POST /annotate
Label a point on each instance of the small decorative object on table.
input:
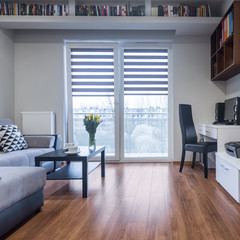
(91, 123)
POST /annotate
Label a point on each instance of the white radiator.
(38, 123)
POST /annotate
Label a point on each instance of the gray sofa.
(37, 145)
(21, 195)
(21, 183)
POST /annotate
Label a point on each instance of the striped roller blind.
(92, 71)
(145, 72)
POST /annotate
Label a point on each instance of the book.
(227, 26)
(230, 24)
(165, 9)
(209, 11)
(225, 30)
(160, 10)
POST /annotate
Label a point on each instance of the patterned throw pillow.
(11, 138)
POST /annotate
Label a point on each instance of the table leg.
(37, 163)
(85, 178)
(103, 163)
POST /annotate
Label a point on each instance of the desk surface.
(218, 126)
(220, 133)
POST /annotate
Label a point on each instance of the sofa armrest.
(58, 142)
(43, 141)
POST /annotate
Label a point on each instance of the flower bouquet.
(91, 123)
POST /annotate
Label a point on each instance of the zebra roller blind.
(92, 71)
(145, 71)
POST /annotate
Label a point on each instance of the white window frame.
(148, 45)
(113, 45)
(119, 94)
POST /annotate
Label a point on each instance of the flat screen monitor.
(229, 110)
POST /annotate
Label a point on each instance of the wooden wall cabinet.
(225, 52)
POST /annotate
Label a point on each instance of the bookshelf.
(181, 25)
(104, 8)
(225, 45)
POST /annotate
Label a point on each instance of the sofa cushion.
(33, 152)
(11, 138)
(40, 141)
(25, 157)
(6, 122)
(17, 183)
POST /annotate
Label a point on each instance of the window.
(146, 102)
(128, 88)
(92, 83)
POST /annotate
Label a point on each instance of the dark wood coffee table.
(78, 165)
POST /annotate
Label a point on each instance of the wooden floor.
(136, 201)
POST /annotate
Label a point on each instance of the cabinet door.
(228, 177)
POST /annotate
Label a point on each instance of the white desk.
(220, 133)
(227, 167)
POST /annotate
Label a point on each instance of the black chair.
(189, 139)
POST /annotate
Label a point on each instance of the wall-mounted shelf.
(225, 45)
(182, 25)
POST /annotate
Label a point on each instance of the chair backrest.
(186, 124)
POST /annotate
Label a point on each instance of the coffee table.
(77, 167)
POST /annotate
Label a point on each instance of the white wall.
(39, 79)
(225, 5)
(39, 73)
(233, 87)
(7, 74)
(39, 66)
(192, 84)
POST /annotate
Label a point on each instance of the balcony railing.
(145, 133)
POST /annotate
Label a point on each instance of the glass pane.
(146, 126)
(103, 106)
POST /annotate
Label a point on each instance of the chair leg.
(205, 164)
(182, 160)
(194, 159)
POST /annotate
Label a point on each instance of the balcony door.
(92, 89)
(145, 102)
(128, 88)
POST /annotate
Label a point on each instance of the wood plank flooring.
(137, 201)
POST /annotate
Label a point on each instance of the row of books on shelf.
(128, 10)
(106, 10)
(181, 11)
(227, 27)
(101, 10)
(33, 9)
